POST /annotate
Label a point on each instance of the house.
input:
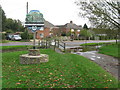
(65, 29)
(46, 32)
(56, 30)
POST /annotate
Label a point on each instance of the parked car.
(8, 37)
(16, 37)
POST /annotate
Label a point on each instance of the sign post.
(34, 22)
(34, 28)
(34, 40)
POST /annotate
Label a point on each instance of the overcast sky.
(58, 12)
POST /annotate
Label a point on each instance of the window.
(41, 35)
(41, 28)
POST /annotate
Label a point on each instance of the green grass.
(94, 44)
(110, 50)
(62, 71)
(4, 41)
(7, 41)
(14, 47)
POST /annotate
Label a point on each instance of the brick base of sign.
(34, 57)
(34, 52)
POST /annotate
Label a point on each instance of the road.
(68, 43)
(76, 43)
(72, 44)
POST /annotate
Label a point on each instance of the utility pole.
(27, 8)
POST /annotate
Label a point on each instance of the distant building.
(56, 30)
(46, 32)
(68, 26)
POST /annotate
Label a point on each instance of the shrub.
(25, 35)
(9, 31)
(3, 36)
(30, 36)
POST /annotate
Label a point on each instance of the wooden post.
(46, 44)
(39, 43)
(49, 43)
(58, 43)
(34, 40)
(55, 44)
(64, 46)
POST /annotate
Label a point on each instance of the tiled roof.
(67, 25)
(48, 24)
(70, 26)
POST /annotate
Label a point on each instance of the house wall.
(44, 32)
(55, 32)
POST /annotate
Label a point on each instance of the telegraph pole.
(27, 8)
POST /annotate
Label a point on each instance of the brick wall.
(45, 33)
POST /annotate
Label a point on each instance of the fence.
(52, 44)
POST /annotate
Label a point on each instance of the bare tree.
(102, 13)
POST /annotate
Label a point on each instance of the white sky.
(58, 12)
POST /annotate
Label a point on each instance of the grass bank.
(107, 48)
(14, 47)
(95, 44)
(110, 50)
(4, 41)
(7, 41)
(62, 71)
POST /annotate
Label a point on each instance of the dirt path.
(109, 63)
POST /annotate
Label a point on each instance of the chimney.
(71, 22)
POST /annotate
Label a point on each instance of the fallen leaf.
(110, 80)
(71, 86)
(18, 83)
(55, 80)
(50, 73)
(46, 84)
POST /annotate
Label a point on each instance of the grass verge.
(94, 44)
(111, 50)
(7, 41)
(62, 71)
(4, 41)
(14, 47)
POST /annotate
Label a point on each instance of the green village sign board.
(34, 16)
(34, 20)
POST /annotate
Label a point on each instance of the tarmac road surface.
(68, 43)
